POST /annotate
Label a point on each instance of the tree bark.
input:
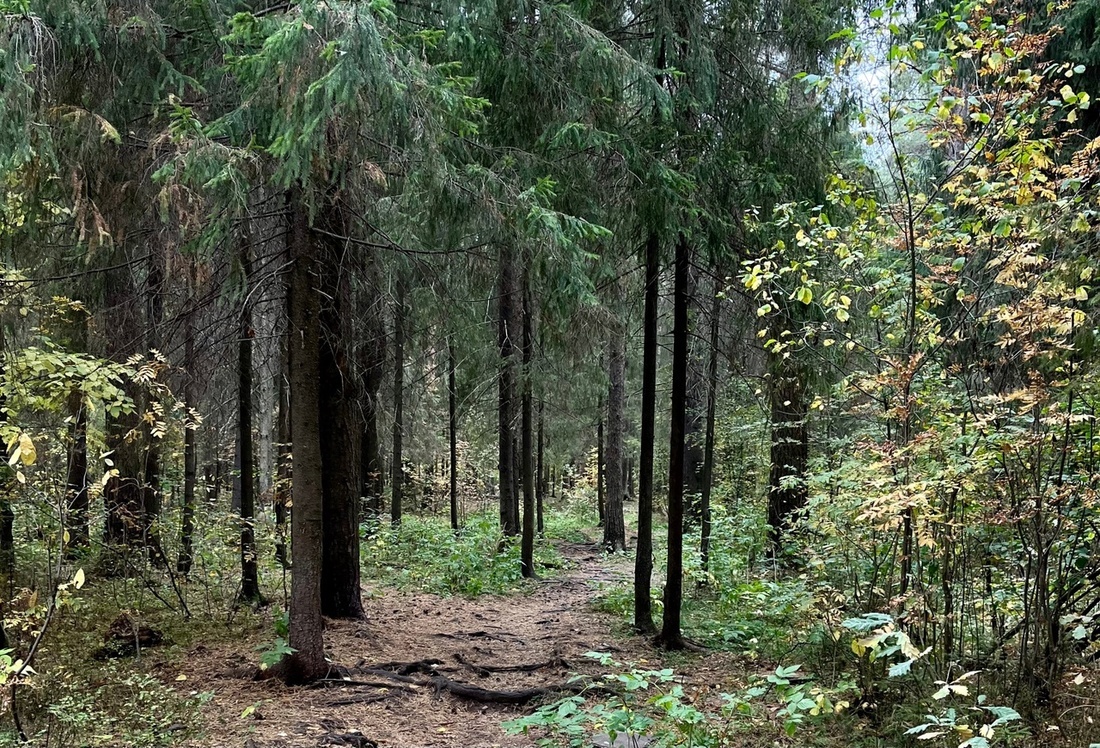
(712, 405)
(452, 422)
(527, 544)
(506, 329)
(670, 626)
(397, 482)
(76, 483)
(540, 485)
(789, 452)
(190, 457)
(341, 437)
(614, 528)
(151, 490)
(601, 477)
(372, 363)
(306, 626)
(7, 515)
(122, 492)
(643, 557)
(284, 466)
(244, 490)
(694, 411)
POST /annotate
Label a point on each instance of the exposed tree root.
(484, 670)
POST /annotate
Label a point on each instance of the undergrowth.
(423, 554)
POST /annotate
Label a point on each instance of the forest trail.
(548, 630)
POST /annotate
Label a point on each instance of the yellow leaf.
(78, 579)
(181, 676)
(28, 454)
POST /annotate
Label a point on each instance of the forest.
(406, 373)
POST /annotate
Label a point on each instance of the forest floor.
(548, 630)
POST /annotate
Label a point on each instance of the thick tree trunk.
(643, 557)
(397, 482)
(789, 451)
(614, 528)
(506, 330)
(306, 626)
(452, 424)
(341, 437)
(670, 627)
(527, 544)
(244, 491)
(712, 405)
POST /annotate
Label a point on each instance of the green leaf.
(900, 668)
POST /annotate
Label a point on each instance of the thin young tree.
(452, 430)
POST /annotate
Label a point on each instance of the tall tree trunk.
(7, 516)
(397, 477)
(341, 437)
(601, 459)
(506, 329)
(284, 466)
(527, 544)
(267, 350)
(540, 481)
(712, 406)
(372, 363)
(614, 528)
(670, 625)
(151, 492)
(643, 557)
(190, 456)
(306, 626)
(244, 485)
(789, 451)
(122, 492)
(76, 483)
(452, 423)
(7, 485)
(694, 410)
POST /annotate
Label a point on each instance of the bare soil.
(548, 630)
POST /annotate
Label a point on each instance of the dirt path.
(554, 624)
